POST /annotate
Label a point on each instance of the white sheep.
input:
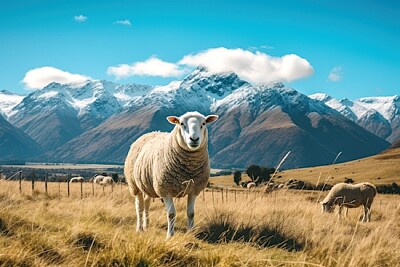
(106, 180)
(169, 165)
(251, 185)
(350, 196)
(97, 179)
(77, 179)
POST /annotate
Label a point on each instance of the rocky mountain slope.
(15, 144)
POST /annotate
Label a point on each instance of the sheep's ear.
(211, 118)
(173, 119)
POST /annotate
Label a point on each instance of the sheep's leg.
(190, 211)
(171, 214)
(340, 212)
(139, 203)
(146, 211)
(367, 213)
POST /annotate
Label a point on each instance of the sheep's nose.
(195, 139)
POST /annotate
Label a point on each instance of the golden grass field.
(285, 228)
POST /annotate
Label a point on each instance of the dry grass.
(281, 229)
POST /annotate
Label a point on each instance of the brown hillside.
(383, 168)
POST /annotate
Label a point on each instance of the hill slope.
(383, 168)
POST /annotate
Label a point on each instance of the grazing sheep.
(78, 179)
(251, 185)
(350, 196)
(106, 180)
(168, 165)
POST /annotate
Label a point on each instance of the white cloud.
(123, 22)
(40, 77)
(151, 67)
(255, 67)
(336, 74)
(80, 18)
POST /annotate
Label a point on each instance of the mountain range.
(98, 120)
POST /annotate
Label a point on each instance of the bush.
(237, 177)
(259, 174)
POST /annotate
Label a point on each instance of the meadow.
(284, 228)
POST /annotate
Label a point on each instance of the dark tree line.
(257, 174)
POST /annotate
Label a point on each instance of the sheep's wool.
(157, 166)
(351, 195)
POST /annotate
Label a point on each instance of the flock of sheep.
(176, 164)
(97, 179)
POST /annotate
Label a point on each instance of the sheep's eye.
(204, 123)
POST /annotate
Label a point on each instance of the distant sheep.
(168, 165)
(97, 179)
(78, 179)
(350, 196)
(106, 181)
(251, 185)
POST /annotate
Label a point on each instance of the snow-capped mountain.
(8, 101)
(379, 115)
(257, 125)
(147, 113)
(97, 121)
(59, 112)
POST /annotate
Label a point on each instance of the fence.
(64, 188)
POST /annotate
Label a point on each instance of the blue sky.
(342, 48)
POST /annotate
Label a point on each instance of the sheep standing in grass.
(78, 179)
(350, 196)
(168, 165)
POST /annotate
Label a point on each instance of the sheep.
(77, 179)
(97, 179)
(251, 185)
(167, 165)
(106, 180)
(350, 196)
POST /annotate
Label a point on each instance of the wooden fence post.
(93, 187)
(33, 184)
(203, 195)
(45, 182)
(59, 188)
(222, 195)
(235, 196)
(20, 182)
(226, 195)
(81, 189)
(68, 178)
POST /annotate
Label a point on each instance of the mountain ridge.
(97, 121)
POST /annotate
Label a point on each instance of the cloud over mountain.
(151, 67)
(40, 77)
(255, 67)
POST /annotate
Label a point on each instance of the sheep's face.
(326, 207)
(192, 129)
